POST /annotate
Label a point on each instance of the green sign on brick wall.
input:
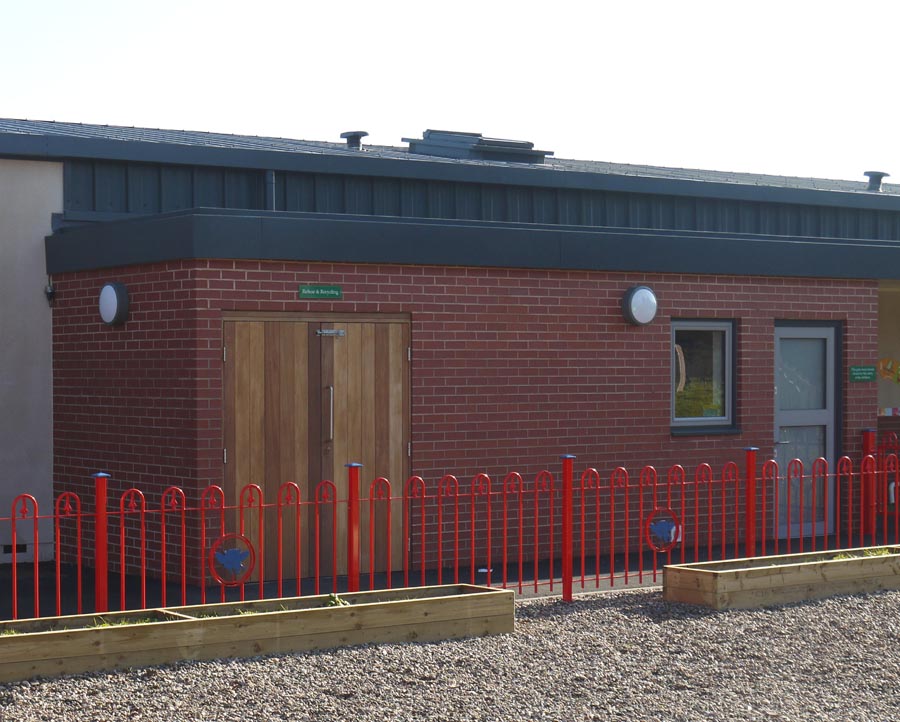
(862, 373)
(321, 292)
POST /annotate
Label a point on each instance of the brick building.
(458, 305)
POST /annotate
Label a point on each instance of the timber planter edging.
(768, 581)
(99, 642)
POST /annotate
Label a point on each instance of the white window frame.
(697, 422)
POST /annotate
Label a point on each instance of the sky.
(791, 87)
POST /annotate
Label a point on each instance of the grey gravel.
(612, 656)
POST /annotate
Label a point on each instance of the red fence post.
(867, 493)
(101, 557)
(353, 526)
(750, 503)
(567, 545)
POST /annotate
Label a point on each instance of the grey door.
(804, 424)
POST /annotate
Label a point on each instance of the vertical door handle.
(330, 413)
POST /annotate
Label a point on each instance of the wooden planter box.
(94, 642)
(773, 580)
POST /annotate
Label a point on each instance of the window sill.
(705, 430)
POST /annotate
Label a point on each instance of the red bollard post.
(869, 482)
(750, 503)
(567, 545)
(353, 526)
(101, 557)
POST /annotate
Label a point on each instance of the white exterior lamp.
(114, 304)
(639, 305)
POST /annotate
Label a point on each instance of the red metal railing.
(591, 531)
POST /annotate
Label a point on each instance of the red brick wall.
(510, 368)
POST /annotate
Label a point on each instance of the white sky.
(793, 87)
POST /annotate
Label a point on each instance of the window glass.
(701, 373)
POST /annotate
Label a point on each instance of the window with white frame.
(702, 373)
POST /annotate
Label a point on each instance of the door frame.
(836, 389)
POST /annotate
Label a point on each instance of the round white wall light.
(114, 304)
(639, 305)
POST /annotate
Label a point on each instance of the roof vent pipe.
(875, 177)
(354, 138)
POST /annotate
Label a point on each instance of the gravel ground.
(612, 656)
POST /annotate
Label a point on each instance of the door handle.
(330, 413)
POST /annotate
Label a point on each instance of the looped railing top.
(481, 485)
(251, 496)
(213, 498)
(326, 493)
(590, 479)
(134, 500)
(795, 469)
(64, 506)
(513, 483)
(415, 487)
(675, 475)
(619, 478)
(173, 500)
(23, 502)
(648, 477)
(448, 486)
(379, 489)
(543, 481)
(730, 473)
(289, 494)
(703, 474)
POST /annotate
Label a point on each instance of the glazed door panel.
(804, 423)
(302, 399)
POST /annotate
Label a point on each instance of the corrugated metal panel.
(143, 188)
(110, 188)
(329, 193)
(413, 199)
(244, 189)
(441, 200)
(518, 205)
(297, 192)
(493, 203)
(545, 205)
(386, 197)
(358, 195)
(78, 185)
(685, 214)
(209, 188)
(176, 189)
(468, 201)
(569, 207)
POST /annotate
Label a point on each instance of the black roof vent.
(875, 177)
(474, 146)
(354, 138)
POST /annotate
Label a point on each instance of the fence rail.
(584, 530)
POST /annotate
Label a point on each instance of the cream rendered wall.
(29, 192)
(888, 343)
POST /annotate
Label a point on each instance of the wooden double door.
(304, 397)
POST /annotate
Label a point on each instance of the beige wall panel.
(30, 191)
(889, 344)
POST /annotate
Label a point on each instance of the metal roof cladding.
(483, 160)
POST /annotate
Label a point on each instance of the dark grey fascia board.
(363, 239)
(56, 148)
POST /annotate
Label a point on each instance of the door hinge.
(224, 353)
(409, 448)
(409, 353)
(224, 456)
